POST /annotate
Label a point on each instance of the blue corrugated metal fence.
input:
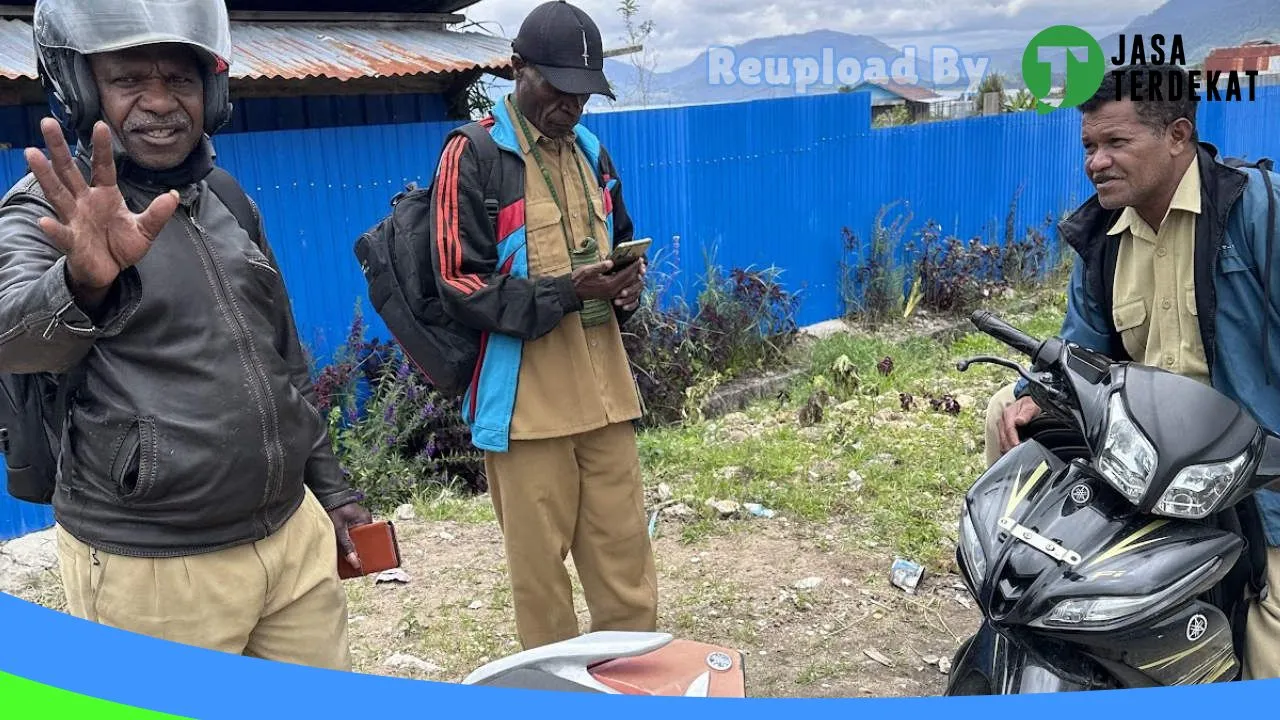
(766, 183)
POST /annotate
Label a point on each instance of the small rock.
(850, 406)
(855, 481)
(930, 659)
(724, 508)
(737, 419)
(679, 511)
(812, 434)
(405, 513)
(809, 583)
(846, 582)
(737, 436)
(475, 605)
(401, 661)
(447, 537)
(944, 666)
(964, 602)
(966, 401)
(887, 416)
(664, 492)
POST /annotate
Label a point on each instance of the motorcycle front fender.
(994, 663)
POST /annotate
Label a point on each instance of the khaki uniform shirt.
(573, 379)
(1154, 289)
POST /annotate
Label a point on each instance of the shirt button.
(1167, 304)
(1161, 252)
(1168, 360)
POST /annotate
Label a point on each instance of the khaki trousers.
(1262, 633)
(991, 427)
(277, 599)
(579, 495)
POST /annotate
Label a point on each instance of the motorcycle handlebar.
(988, 323)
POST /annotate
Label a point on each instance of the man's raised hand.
(94, 227)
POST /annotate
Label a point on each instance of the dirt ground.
(815, 616)
(753, 586)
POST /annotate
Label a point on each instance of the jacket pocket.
(134, 467)
(544, 239)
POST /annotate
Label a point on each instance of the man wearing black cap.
(527, 207)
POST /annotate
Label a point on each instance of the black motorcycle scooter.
(1113, 548)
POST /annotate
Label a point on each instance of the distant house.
(1260, 55)
(336, 63)
(888, 94)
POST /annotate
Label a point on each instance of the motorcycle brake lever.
(1054, 393)
(963, 365)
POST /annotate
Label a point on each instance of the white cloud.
(684, 28)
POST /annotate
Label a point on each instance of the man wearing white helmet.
(197, 494)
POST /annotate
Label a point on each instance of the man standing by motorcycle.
(198, 494)
(1173, 270)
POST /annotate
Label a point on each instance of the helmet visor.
(96, 26)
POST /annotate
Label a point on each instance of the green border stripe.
(28, 699)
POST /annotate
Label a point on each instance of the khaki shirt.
(573, 379)
(1155, 294)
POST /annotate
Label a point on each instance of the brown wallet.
(377, 547)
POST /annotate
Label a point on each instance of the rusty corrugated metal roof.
(296, 50)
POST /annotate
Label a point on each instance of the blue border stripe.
(58, 650)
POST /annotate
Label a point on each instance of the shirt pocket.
(544, 239)
(1130, 318)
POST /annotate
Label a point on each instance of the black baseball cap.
(563, 43)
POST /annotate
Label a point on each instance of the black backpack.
(34, 407)
(395, 256)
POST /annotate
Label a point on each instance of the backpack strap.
(237, 201)
(490, 164)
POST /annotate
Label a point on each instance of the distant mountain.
(1205, 25)
(699, 81)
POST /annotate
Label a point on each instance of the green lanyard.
(555, 197)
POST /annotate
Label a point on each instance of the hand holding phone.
(628, 252)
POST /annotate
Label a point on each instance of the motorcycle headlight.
(1084, 612)
(1127, 460)
(1197, 490)
(971, 548)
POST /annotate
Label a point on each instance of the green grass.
(915, 464)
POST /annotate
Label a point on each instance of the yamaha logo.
(1196, 627)
(719, 661)
(1081, 494)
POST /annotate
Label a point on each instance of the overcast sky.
(684, 28)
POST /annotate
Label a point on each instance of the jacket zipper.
(271, 433)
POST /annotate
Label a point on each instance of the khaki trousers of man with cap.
(570, 481)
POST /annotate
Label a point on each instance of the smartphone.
(628, 252)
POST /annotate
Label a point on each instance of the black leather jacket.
(195, 426)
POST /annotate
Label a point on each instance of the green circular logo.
(1084, 69)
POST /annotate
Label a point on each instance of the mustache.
(147, 122)
(1099, 179)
